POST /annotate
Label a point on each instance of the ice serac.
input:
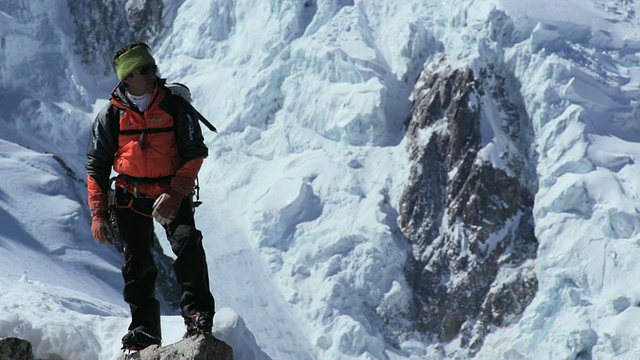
(467, 207)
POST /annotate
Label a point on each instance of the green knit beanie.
(132, 59)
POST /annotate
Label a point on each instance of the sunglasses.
(144, 70)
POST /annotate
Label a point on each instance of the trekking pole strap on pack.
(206, 122)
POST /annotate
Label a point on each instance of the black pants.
(139, 270)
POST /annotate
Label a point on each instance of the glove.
(100, 227)
(166, 206)
(101, 230)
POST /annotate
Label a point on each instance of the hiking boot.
(138, 339)
(197, 324)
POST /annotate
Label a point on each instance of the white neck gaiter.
(141, 101)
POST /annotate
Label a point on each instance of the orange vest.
(147, 153)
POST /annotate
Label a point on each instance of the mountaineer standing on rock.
(152, 139)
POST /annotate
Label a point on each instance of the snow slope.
(302, 184)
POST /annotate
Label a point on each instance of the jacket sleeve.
(189, 136)
(101, 150)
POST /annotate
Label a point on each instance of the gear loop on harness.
(120, 198)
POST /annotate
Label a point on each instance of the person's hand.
(166, 207)
(101, 230)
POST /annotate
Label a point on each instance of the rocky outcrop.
(14, 348)
(104, 26)
(467, 209)
(204, 347)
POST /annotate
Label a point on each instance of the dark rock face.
(104, 26)
(204, 347)
(14, 348)
(470, 223)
